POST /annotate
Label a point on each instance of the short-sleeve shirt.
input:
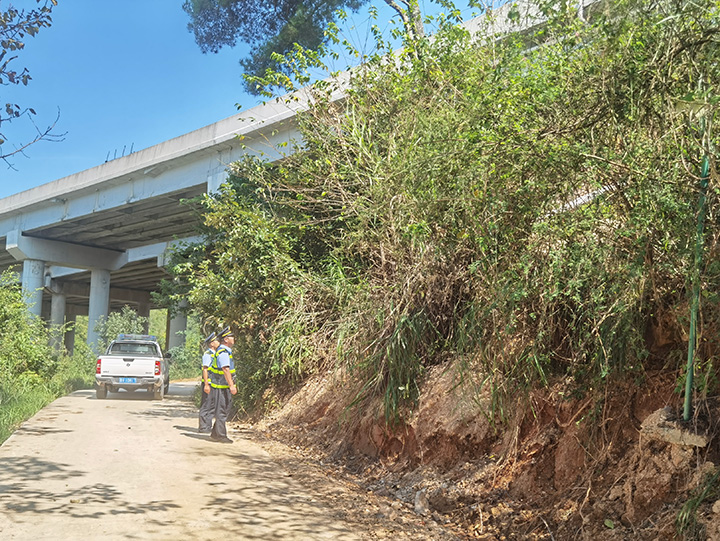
(207, 358)
(224, 358)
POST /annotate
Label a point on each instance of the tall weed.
(31, 374)
(527, 208)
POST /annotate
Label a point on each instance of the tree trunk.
(411, 17)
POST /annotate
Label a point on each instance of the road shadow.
(270, 503)
(39, 430)
(125, 395)
(191, 429)
(182, 388)
(170, 408)
(31, 486)
(31, 469)
(181, 391)
(196, 436)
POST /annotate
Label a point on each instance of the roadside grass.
(18, 405)
(23, 396)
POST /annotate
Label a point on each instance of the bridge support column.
(177, 326)
(143, 310)
(69, 338)
(33, 278)
(57, 319)
(214, 181)
(99, 303)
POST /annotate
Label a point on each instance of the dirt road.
(128, 467)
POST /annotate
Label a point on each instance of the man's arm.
(206, 380)
(228, 378)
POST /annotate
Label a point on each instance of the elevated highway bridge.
(94, 241)
(97, 240)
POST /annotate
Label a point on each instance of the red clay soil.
(555, 467)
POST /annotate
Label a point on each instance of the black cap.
(210, 338)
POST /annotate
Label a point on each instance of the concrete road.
(128, 467)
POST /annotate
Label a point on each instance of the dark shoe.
(204, 430)
(218, 439)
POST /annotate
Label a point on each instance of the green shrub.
(435, 213)
(126, 321)
(31, 374)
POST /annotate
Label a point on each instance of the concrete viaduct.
(96, 240)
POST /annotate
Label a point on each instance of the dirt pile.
(554, 467)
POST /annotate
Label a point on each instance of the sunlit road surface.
(129, 467)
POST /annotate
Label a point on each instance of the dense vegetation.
(435, 214)
(31, 374)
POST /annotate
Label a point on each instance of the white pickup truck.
(131, 362)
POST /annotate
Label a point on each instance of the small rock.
(661, 426)
(716, 507)
(616, 492)
(422, 507)
(385, 511)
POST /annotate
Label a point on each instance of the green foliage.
(23, 339)
(686, 523)
(395, 362)
(31, 375)
(16, 25)
(186, 359)
(251, 371)
(158, 325)
(126, 321)
(19, 403)
(527, 209)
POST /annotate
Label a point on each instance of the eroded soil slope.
(548, 466)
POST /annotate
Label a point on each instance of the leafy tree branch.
(15, 27)
(272, 29)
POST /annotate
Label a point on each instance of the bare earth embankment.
(557, 468)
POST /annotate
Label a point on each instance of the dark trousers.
(207, 410)
(222, 400)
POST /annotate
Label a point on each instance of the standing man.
(222, 386)
(207, 408)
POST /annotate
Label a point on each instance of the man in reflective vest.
(207, 408)
(222, 386)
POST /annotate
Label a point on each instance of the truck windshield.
(138, 350)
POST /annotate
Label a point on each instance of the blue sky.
(124, 75)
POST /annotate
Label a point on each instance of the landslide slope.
(553, 467)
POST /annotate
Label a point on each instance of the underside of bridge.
(97, 240)
(154, 222)
(158, 219)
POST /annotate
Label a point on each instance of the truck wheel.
(159, 394)
(101, 392)
(167, 386)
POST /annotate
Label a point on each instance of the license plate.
(127, 380)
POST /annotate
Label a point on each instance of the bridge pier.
(99, 303)
(58, 303)
(143, 310)
(177, 325)
(33, 278)
(69, 338)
